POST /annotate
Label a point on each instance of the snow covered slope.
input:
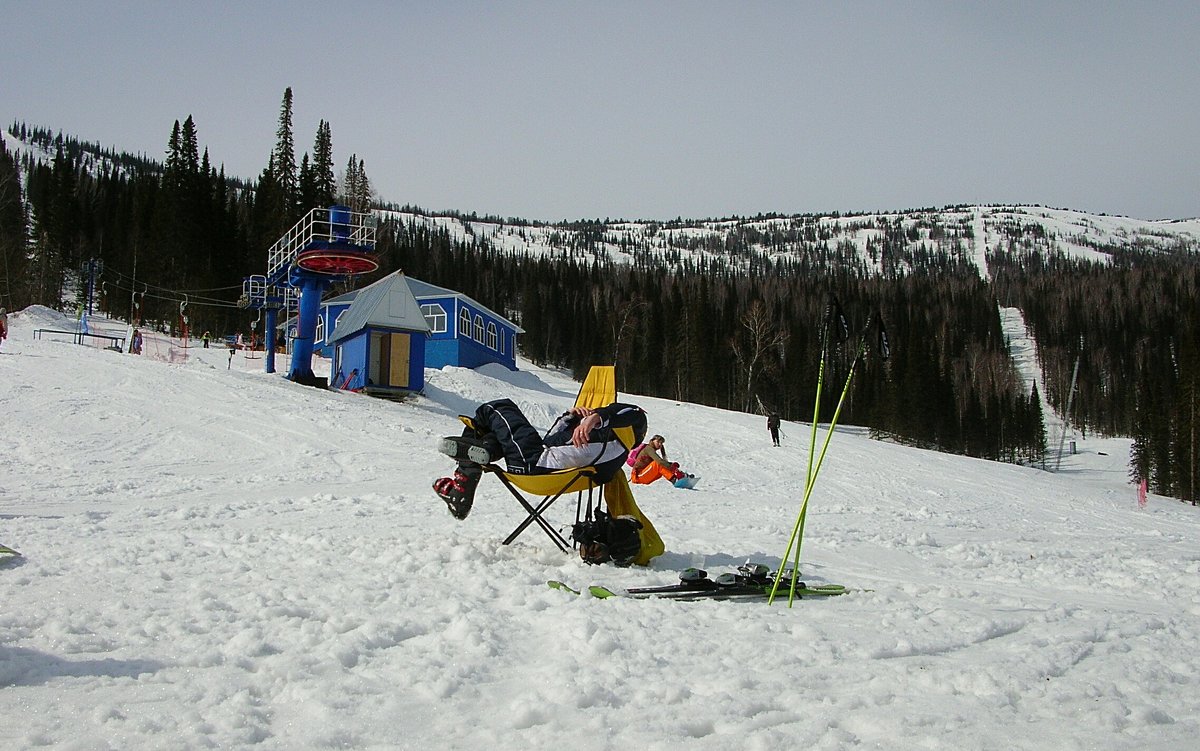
(215, 557)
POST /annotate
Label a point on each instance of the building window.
(435, 316)
(464, 323)
(479, 329)
(320, 335)
(491, 335)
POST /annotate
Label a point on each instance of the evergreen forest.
(735, 319)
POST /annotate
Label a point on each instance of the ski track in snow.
(217, 558)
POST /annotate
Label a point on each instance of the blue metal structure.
(324, 247)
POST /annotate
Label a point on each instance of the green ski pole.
(884, 351)
(798, 531)
(813, 481)
(832, 311)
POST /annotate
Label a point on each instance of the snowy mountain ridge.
(960, 233)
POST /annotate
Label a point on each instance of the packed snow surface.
(215, 557)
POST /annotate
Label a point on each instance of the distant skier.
(3, 325)
(135, 343)
(205, 339)
(773, 426)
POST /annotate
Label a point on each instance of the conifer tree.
(356, 188)
(13, 234)
(324, 183)
(283, 158)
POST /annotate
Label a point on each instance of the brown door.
(398, 360)
(389, 359)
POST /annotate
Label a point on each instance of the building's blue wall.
(353, 355)
(471, 352)
(329, 315)
(442, 348)
(440, 352)
(416, 361)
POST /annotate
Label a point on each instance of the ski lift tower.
(324, 247)
(258, 295)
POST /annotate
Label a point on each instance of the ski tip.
(555, 584)
(601, 593)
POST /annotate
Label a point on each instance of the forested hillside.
(722, 312)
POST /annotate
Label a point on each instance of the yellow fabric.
(619, 497)
(599, 389)
(551, 483)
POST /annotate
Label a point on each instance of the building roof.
(422, 291)
(388, 303)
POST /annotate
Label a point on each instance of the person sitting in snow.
(652, 463)
(580, 437)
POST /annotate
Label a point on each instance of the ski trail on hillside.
(1023, 351)
(979, 235)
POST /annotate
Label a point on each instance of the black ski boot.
(458, 491)
(464, 448)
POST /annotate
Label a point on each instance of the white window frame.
(434, 315)
(464, 323)
(478, 328)
(491, 336)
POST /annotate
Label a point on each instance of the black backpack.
(608, 538)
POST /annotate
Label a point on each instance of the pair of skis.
(750, 581)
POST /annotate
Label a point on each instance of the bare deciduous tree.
(763, 337)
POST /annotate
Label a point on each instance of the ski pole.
(796, 539)
(798, 531)
(832, 311)
(884, 351)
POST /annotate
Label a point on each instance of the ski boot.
(458, 491)
(467, 449)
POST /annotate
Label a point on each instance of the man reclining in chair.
(580, 437)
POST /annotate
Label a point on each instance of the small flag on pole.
(1142, 494)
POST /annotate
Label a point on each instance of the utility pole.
(1067, 415)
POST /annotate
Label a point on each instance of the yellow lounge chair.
(599, 389)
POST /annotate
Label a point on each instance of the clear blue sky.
(557, 110)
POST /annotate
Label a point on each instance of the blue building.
(379, 340)
(461, 331)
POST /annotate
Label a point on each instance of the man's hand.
(579, 438)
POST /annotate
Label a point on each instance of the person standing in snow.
(3, 325)
(773, 427)
(580, 437)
